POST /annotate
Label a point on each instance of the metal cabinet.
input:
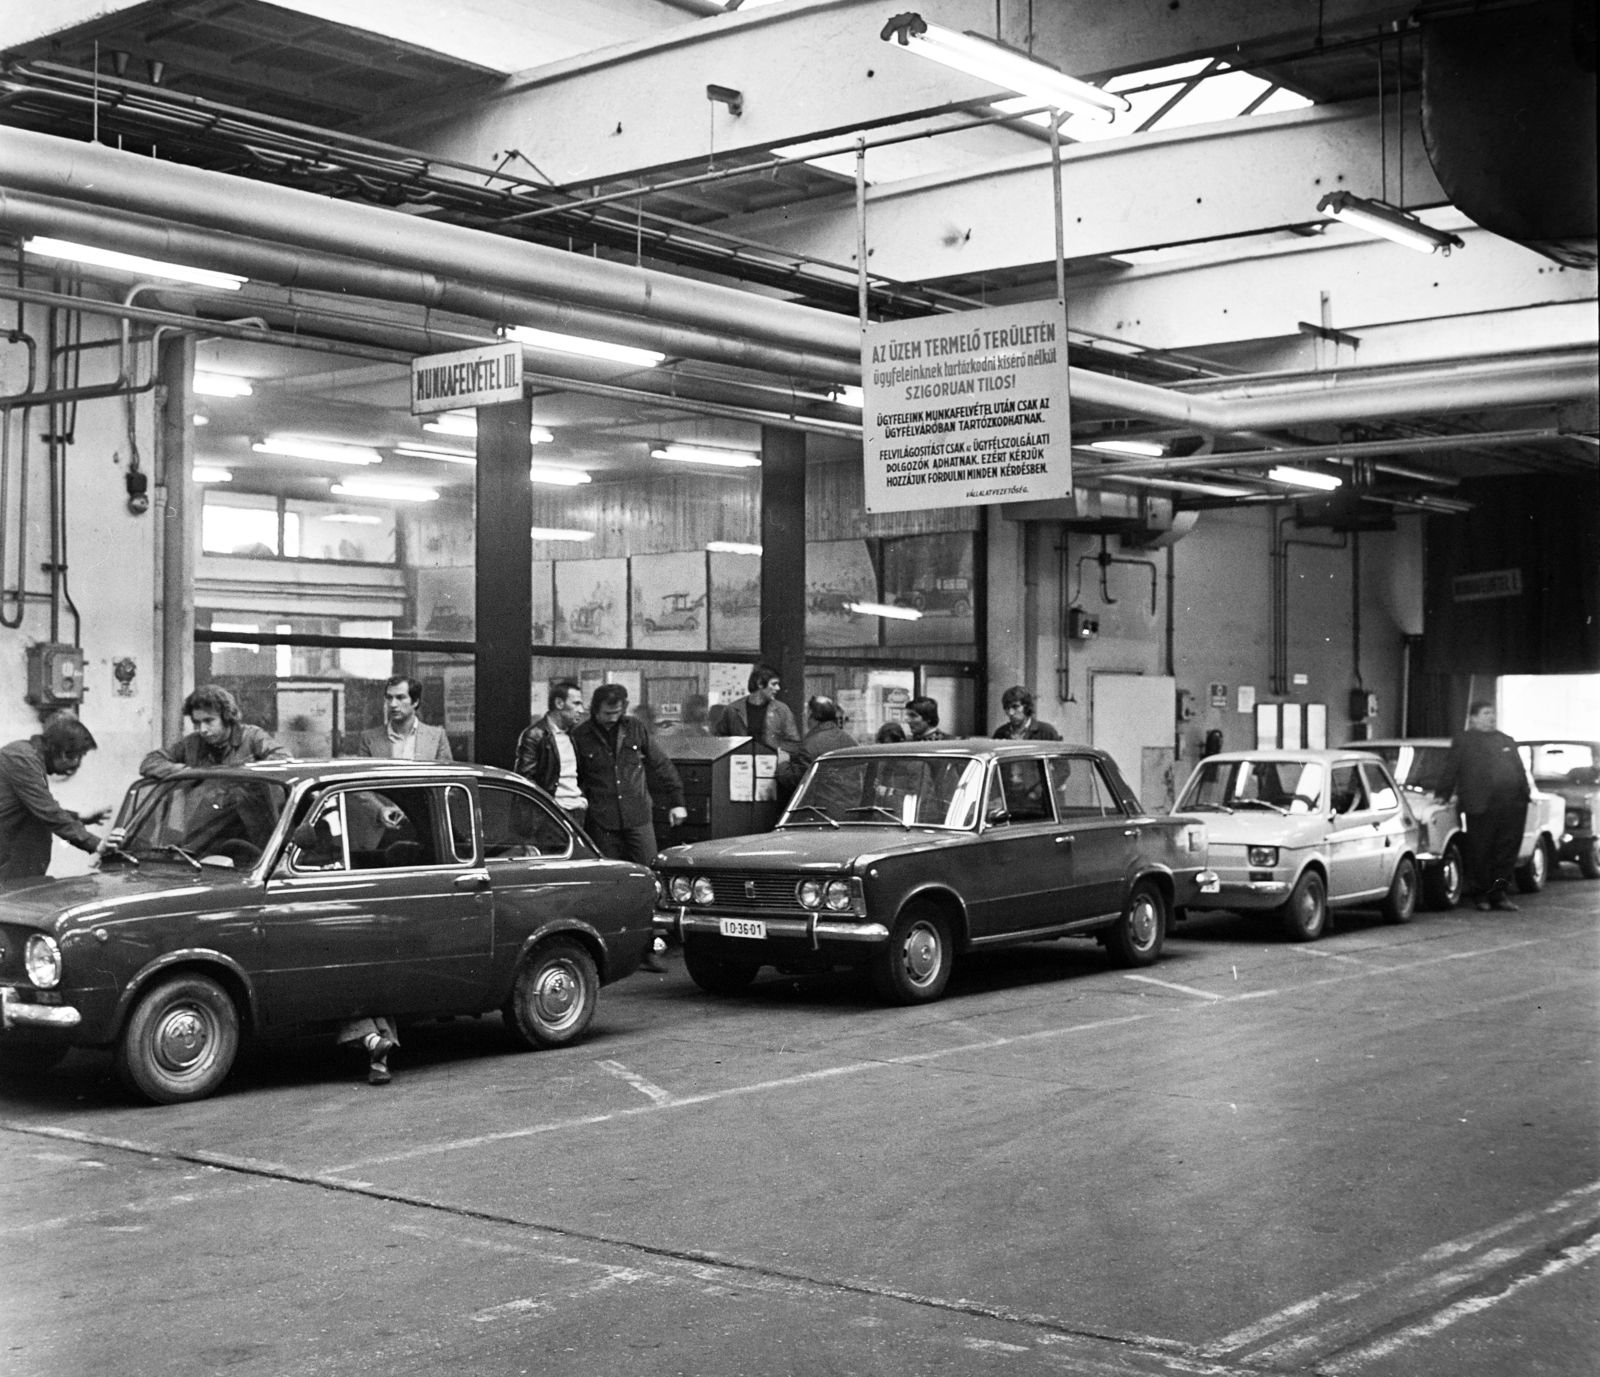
(730, 787)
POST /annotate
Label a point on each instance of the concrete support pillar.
(180, 528)
(504, 585)
(783, 561)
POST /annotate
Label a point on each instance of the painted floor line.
(648, 1088)
(1171, 985)
(1572, 1256)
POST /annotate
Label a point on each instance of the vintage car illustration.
(1571, 771)
(679, 612)
(1296, 833)
(1418, 765)
(290, 896)
(900, 858)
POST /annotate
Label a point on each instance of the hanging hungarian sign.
(965, 409)
(472, 377)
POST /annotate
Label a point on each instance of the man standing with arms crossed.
(545, 753)
(1485, 772)
(404, 735)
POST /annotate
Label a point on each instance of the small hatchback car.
(280, 897)
(898, 857)
(1297, 832)
(1571, 771)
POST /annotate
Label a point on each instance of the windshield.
(1280, 786)
(1414, 767)
(891, 791)
(228, 821)
(1563, 762)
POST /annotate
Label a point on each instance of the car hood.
(807, 848)
(1261, 829)
(1583, 795)
(41, 903)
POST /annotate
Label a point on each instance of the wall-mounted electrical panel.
(55, 675)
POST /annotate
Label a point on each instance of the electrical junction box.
(1363, 705)
(1185, 705)
(1080, 625)
(55, 675)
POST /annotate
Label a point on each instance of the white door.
(1131, 718)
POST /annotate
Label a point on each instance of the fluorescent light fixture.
(589, 348)
(130, 263)
(1377, 218)
(1014, 71)
(884, 609)
(1142, 449)
(204, 473)
(327, 451)
(554, 473)
(1303, 478)
(221, 385)
(354, 518)
(446, 456)
(202, 420)
(559, 533)
(466, 425)
(732, 547)
(693, 454)
(851, 396)
(375, 487)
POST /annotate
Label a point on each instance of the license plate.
(743, 927)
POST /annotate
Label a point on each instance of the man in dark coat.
(545, 753)
(1485, 773)
(826, 734)
(219, 738)
(1020, 723)
(29, 813)
(760, 714)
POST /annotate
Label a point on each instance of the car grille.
(742, 890)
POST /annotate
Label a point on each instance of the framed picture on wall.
(591, 602)
(933, 575)
(668, 594)
(735, 601)
(838, 573)
(544, 601)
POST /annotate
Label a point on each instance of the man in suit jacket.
(404, 736)
(760, 715)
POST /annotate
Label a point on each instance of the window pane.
(326, 850)
(1349, 794)
(392, 828)
(516, 826)
(359, 533)
(1079, 791)
(239, 526)
(1022, 786)
(1383, 793)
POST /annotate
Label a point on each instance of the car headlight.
(661, 892)
(1577, 819)
(1263, 855)
(42, 960)
(701, 890)
(809, 893)
(837, 895)
(680, 889)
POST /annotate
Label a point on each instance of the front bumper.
(1233, 892)
(814, 930)
(16, 1011)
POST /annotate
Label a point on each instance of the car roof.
(980, 747)
(1558, 741)
(1404, 741)
(1306, 754)
(291, 772)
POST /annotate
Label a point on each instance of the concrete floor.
(1378, 1155)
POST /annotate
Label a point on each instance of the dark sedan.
(286, 897)
(899, 857)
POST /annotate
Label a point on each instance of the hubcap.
(183, 1038)
(922, 953)
(1537, 863)
(557, 995)
(1143, 921)
(1452, 876)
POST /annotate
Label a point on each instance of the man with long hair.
(219, 738)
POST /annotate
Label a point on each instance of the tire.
(1400, 903)
(717, 974)
(1305, 915)
(23, 1059)
(1532, 873)
(1136, 938)
(180, 1040)
(915, 967)
(554, 996)
(1589, 860)
(1442, 884)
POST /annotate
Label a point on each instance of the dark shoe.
(653, 964)
(1504, 904)
(378, 1049)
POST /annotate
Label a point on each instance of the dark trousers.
(624, 843)
(1493, 839)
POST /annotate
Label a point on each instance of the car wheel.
(1589, 860)
(1306, 914)
(1443, 883)
(915, 967)
(715, 974)
(1533, 872)
(1137, 937)
(180, 1041)
(554, 995)
(30, 1058)
(1400, 904)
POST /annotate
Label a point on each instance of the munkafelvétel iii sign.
(470, 377)
(966, 408)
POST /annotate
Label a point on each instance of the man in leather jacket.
(546, 755)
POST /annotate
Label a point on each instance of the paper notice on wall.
(741, 778)
(766, 782)
(1247, 698)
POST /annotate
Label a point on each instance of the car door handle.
(1130, 831)
(472, 882)
(1064, 840)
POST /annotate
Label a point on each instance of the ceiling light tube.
(1303, 478)
(1377, 218)
(221, 385)
(447, 456)
(327, 451)
(884, 609)
(732, 547)
(589, 348)
(552, 473)
(462, 424)
(691, 454)
(373, 487)
(1014, 71)
(354, 518)
(559, 533)
(43, 247)
(1143, 449)
(204, 473)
